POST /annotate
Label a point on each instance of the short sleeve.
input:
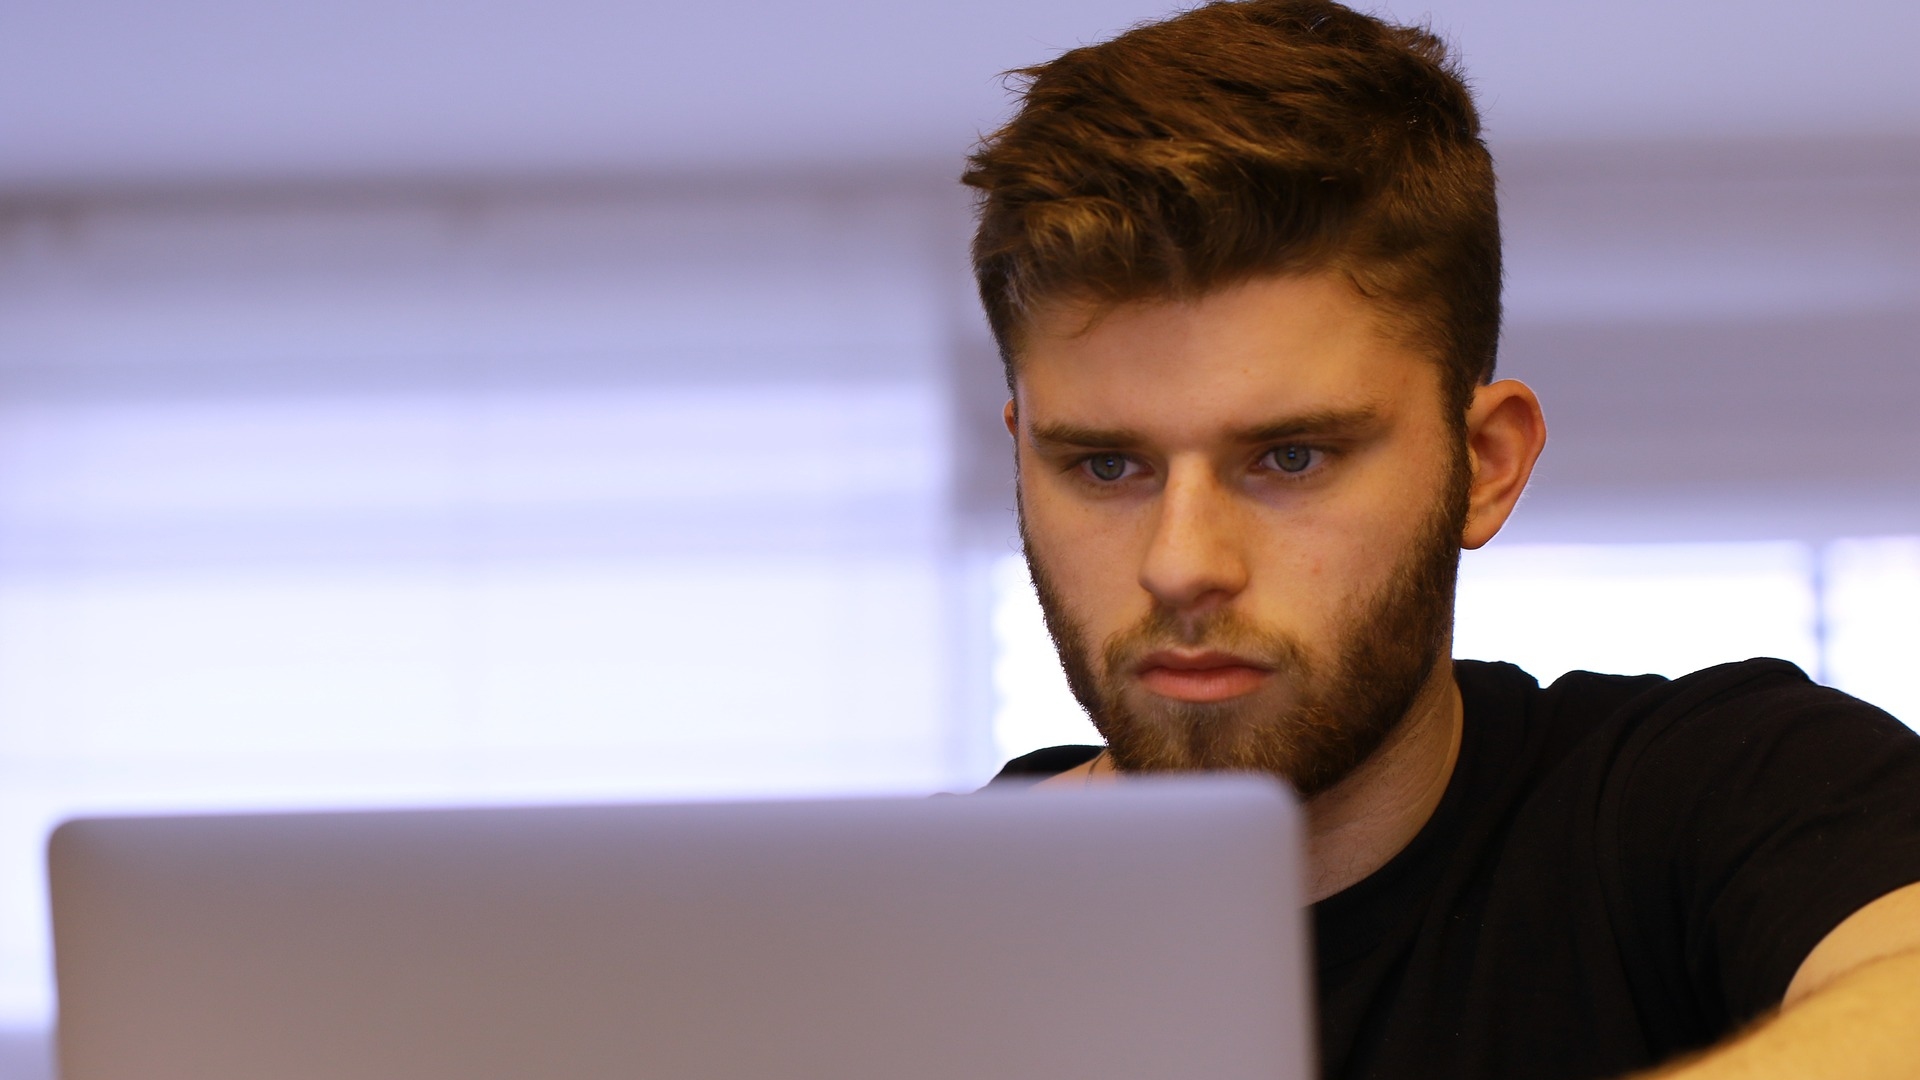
(1758, 814)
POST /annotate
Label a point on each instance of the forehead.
(1267, 347)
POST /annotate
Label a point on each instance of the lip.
(1200, 676)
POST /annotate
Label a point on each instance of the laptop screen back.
(1142, 930)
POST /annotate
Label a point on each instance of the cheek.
(1312, 570)
(1299, 574)
(1091, 559)
(1361, 551)
(1391, 507)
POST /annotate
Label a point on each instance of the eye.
(1107, 467)
(1292, 459)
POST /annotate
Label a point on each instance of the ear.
(1012, 417)
(1505, 434)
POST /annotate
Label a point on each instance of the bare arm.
(1852, 1011)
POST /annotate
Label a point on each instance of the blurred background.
(418, 402)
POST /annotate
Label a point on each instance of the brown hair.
(1239, 139)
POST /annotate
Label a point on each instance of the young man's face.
(1244, 514)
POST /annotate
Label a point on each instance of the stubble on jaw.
(1386, 647)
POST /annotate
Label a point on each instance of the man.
(1244, 270)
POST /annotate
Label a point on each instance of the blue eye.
(1291, 459)
(1107, 466)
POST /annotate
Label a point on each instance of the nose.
(1195, 560)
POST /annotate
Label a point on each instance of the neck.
(1354, 827)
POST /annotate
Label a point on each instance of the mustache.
(1222, 629)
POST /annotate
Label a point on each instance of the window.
(386, 502)
(1847, 612)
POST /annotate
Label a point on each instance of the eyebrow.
(1323, 423)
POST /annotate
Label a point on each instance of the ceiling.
(196, 91)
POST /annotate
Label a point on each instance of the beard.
(1345, 700)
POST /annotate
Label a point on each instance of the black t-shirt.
(1622, 869)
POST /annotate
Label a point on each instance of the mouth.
(1200, 677)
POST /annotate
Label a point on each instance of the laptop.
(1150, 929)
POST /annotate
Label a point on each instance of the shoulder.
(1733, 750)
(1735, 740)
(1674, 738)
(1040, 764)
(1751, 706)
(1751, 698)
(1752, 810)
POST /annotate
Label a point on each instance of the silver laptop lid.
(1144, 930)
